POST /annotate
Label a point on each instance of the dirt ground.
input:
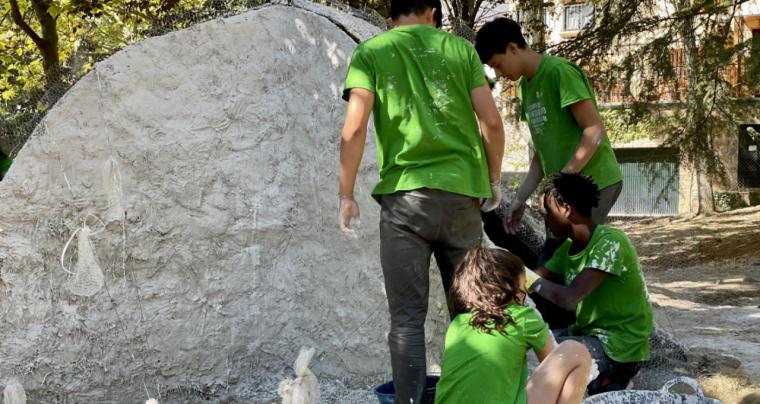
(703, 276)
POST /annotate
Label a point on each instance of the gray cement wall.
(226, 136)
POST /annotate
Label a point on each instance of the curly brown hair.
(485, 282)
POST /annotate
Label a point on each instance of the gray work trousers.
(414, 225)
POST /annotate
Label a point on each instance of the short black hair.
(406, 7)
(576, 190)
(493, 38)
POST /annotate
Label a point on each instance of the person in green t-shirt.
(427, 92)
(484, 357)
(559, 106)
(596, 273)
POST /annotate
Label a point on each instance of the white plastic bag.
(14, 393)
(305, 388)
(87, 277)
(112, 188)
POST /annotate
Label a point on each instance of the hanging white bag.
(14, 393)
(304, 389)
(87, 278)
(112, 188)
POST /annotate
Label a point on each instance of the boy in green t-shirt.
(558, 104)
(427, 92)
(596, 273)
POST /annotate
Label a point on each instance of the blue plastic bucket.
(386, 392)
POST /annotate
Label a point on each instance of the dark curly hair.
(574, 189)
(487, 280)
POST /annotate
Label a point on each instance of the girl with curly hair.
(484, 359)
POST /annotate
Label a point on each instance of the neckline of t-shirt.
(506, 308)
(581, 252)
(407, 27)
(539, 69)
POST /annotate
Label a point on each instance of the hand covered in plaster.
(347, 211)
(514, 216)
(492, 202)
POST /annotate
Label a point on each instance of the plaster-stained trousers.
(414, 225)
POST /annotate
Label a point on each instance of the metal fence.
(650, 182)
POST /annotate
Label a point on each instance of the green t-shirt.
(426, 129)
(544, 99)
(618, 311)
(481, 368)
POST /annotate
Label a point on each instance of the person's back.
(427, 92)
(490, 367)
(484, 357)
(427, 131)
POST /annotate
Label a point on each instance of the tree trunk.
(46, 42)
(49, 45)
(695, 131)
(705, 192)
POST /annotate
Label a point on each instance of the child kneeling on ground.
(484, 359)
(595, 273)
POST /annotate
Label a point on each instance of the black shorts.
(613, 375)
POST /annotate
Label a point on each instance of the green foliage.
(87, 31)
(644, 39)
(753, 134)
(382, 7)
(628, 125)
(729, 201)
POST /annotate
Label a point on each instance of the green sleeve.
(536, 330)
(5, 163)
(606, 255)
(556, 263)
(572, 84)
(477, 73)
(360, 73)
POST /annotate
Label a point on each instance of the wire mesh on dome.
(459, 27)
(19, 115)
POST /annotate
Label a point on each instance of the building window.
(576, 16)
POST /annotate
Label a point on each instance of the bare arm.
(548, 347)
(547, 274)
(569, 296)
(492, 128)
(354, 133)
(588, 119)
(528, 185)
(531, 180)
(353, 136)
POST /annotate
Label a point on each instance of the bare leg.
(562, 376)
